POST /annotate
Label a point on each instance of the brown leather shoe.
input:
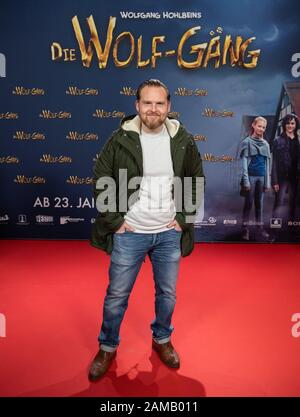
(101, 364)
(167, 354)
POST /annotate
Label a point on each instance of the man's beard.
(151, 123)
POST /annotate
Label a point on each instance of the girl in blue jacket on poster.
(255, 154)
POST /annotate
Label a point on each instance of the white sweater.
(155, 207)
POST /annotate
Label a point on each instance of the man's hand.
(125, 227)
(174, 224)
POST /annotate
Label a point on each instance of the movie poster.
(68, 75)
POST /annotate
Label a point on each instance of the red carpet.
(233, 325)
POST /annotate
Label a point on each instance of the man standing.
(156, 150)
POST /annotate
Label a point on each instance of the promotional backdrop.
(69, 72)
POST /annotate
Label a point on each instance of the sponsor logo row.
(275, 222)
(23, 220)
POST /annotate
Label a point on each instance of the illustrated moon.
(274, 35)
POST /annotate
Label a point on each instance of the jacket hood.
(133, 123)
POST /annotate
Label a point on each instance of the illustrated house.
(289, 102)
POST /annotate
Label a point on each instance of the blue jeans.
(255, 194)
(129, 252)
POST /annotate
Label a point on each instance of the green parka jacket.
(123, 151)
